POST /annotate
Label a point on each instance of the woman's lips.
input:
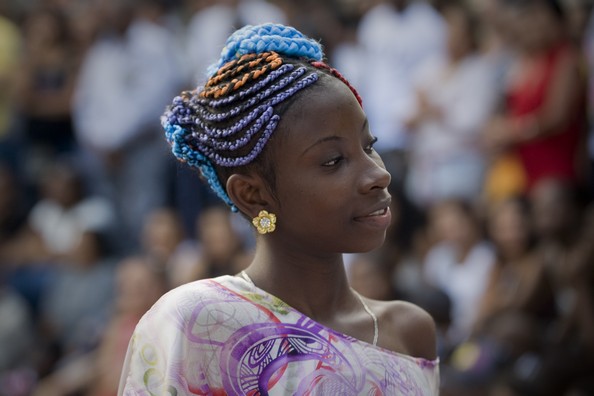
(379, 218)
(379, 212)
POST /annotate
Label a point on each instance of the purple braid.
(207, 116)
(255, 88)
(228, 161)
(242, 123)
(232, 145)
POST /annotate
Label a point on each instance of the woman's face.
(331, 184)
(162, 233)
(138, 287)
(42, 27)
(451, 224)
(459, 41)
(510, 229)
(533, 27)
(217, 235)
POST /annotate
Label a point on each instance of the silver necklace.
(245, 276)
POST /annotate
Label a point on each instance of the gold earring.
(265, 222)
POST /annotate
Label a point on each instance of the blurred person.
(165, 242)
(17, 332)
(65, 228)
(518, 281)
(85, 22)
(221, 248)
(542, 127)
(218, 247)
(347, 53)
(408, 275)
(564, 363)
(578, 14)
(17, 345)
(514, 312)
(211, 24)
(139, 283)
(13, 208)
(125, 75)
(74, 308)
(455, 96)
(565, 247)
(47, 74)
(162, 234)
(319, 19)
(64, 224)
(371, 277)
(399, 35)
(588, 50)
(459, 263)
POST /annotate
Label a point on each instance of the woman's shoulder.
(187, 298)
(406, 328)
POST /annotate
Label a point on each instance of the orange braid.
(233, 68)
(215, 89)
(234, 62)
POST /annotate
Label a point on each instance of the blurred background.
(483, 110)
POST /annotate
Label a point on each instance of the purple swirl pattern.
(225, 337)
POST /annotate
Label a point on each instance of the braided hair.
(223, 127)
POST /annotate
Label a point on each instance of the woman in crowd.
(281, 137)
(542, 128)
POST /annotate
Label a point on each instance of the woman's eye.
(333, 162)
(369, 148)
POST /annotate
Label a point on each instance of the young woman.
(281, 137)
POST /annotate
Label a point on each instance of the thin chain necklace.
(245, 276)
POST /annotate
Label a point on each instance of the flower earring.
(265, 222)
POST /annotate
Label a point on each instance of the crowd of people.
(481, 109)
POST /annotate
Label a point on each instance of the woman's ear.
(248, 193)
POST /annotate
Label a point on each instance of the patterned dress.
(224, 336)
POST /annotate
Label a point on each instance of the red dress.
(555, 155)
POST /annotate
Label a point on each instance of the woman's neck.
(315, 286)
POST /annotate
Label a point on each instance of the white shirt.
(209, 29)
(61, 228)
(125, 84)
(396, 44)
(466, 99)
(464, 282)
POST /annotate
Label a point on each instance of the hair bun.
(282, 39)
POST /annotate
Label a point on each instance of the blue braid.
(176, 136)
(267, 37)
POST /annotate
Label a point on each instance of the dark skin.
(331, 198)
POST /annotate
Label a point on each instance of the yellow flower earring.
(265, 222)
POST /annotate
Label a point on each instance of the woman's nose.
(375, 175)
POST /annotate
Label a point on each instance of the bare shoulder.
(406, 328)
